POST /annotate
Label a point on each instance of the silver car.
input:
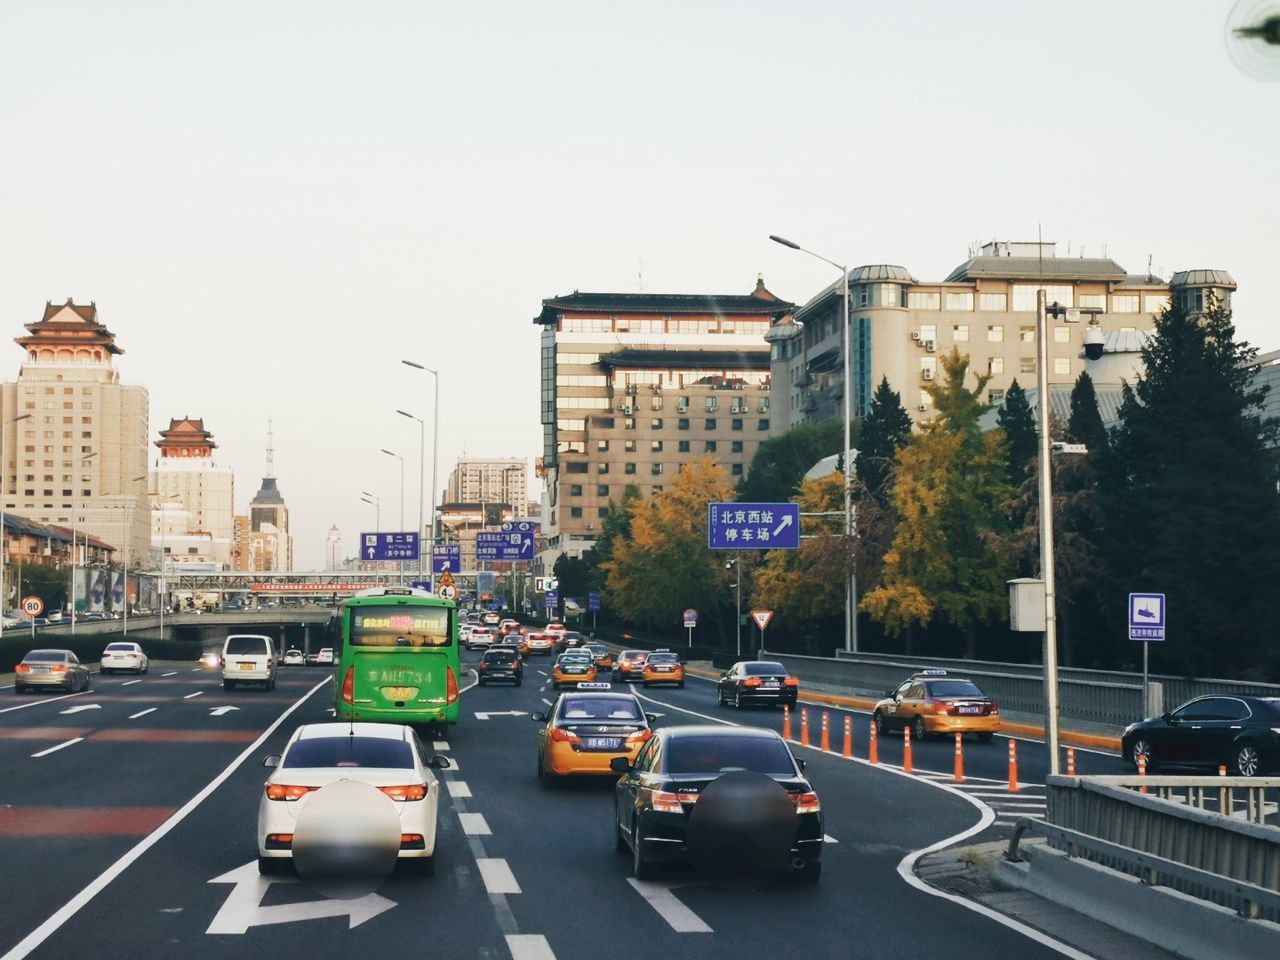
(50, 668)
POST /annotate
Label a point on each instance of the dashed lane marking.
(130, 683)
(198, 693)
(679, 917)
(497, 875)
(171, 673)
(546, 701)
(529, 946)
(66, 743)
(142, 713)
(440, 745)
(458, 789)
(474, 825)
(542, 673)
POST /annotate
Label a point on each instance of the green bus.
(399, 658)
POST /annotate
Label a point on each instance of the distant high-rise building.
(185, 473)
(79, 458)
(495, 480)
(333, 549)
(268, 546)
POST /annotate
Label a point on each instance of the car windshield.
(349, 752)
(500, 656)
(121, 647)
(400, 626)
(719, 753)
(954, 688)
(599, 708)
(573, 635)
(244, 646)
(45, 656)
(764, 669)
(663, 658)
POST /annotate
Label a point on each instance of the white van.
(249, 658)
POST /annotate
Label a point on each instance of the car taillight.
(22, 668)
(664, 802)
(564, 736)
(411, 791)
(349, 685)
(806, 802)
(791, 682)
(482, 666)
(751, 682)
(640, 736)
(287, 791)
(59, 668)
(132, 656)
(939, 707)
(450, 686)
(995, 707)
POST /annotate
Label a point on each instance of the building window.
(656, 446)
(710, 424)
(1092, 301)
(736, 446)
(1026, 334)
(924, 301)
(629, 446)
(682, 423)
(1154, 304)
(1061, 334)
(960, 332)
(711, 404)
(763, 405)
(735, 424)
(736, 469)
(575, 489)
(994, 302)
(602, 511)
(602, 468)
(995, 365)
(575, 468)
(1024, 295)
(995, 397)
(959, 301)
(762, 424)
(575, 513)
(656, 469)
(709, 447)
(628, 468)
(929, 332)
(655, 423)
(602, 490)
(682, 446)
(1062, 365)
(995, 333)
(656, 404)
(629, 423)
(602, 445)
(571, 424)
(1124, 303)
(682, 404)
(1026, 364)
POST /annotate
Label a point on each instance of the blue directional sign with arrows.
(389, 546)
(492, 545)
(446, 556)
(753, 526)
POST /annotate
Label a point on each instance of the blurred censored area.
(401, 627)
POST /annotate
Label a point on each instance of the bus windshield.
(400, 626)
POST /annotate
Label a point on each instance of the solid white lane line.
(458, 789)
(142, 713)
(171, 673)
(440, 745)
(130, 683)
(65, 743)
(679, 917)
(497, 875)
(36, 703)
(198, 693)
(474, 825)
(529, 946)
(69, 909)
(542, 672)
(546, 701)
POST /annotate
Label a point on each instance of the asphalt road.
(134, 837)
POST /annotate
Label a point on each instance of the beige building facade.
(74, 459)
(185, 473)
(491, 480)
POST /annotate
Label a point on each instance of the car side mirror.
(651, 717)
(539, 717)
(620, 765)
(271, 761)
(439, 762)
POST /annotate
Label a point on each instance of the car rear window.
(45, 656)
(499, 656)
(124, 647)
(764, 669)
(954, 688)
(598, 708)
(400, 626)
(350, 752)
(721, 753)
(663, 658)
(246, 646)
(573, 635)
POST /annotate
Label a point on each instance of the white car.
(384, 755)
(123, 656)
(324, 657)
(481, 638)
(294, 657)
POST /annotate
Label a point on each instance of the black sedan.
(757, 681)
(501, 663)
(658, 794)
(1239, 732)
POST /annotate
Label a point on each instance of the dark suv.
(501, 663)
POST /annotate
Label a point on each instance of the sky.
(273, 204)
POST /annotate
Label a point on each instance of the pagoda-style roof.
(186, 433)
(760, 302)
(69, 324)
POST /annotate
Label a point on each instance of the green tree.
(1192, 507)
(1085, 425)
(616, 527)
(574, 575)
(1019, 426)
(951, 483)
(883, 431)
(781, 462)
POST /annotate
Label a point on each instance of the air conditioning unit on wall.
(926, 373)
(915, 335)
(930, 346)
(923, 407)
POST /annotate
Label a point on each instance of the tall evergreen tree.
(780, 462)
(1085, 425)
(1194, 512)
(886, 427)
(1019, 426)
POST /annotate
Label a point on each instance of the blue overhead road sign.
(389, 546)
(514, 545)
(753, 526)
(446, 556)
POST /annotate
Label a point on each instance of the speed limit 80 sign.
(32, 606)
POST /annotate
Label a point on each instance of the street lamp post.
(163, 559)
(422, 457)
(4, 469)
(401, 459)
(736, 564)
(1050, 654)
(435, 447)
(367, 497)
(128, 523)
(75, 508)
(851, 588)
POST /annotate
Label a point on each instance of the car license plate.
(604, 743)
(246, 665)
(969, 710)
(39, 669)
(770, 684)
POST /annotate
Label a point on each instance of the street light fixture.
(128, 524)
(4, 533)
(401, 459)
(367, 497)
(435, 447)
(422, 456)
(736, 565)
(851, 588)
(75, 508)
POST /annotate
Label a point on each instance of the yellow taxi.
(933, 701)
(600, 654)
(571, 669)
(588, 727)
(663, 666)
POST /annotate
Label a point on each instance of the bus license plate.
(604, 743)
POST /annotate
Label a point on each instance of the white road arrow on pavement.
(499, 713)
(659, 896)
(786, 522)
(243, 908)
(219, 711)
(84, 706)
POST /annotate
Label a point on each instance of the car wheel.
(103, 671)
(737, 700)
(19, 689)
(271, 866)
(719, 697)
(641, 867)
(228, 684)
(85, 687)
(147, 667)
(811, 872)
(271, 684)
(985, 737)
(920, 732)
(519, 680)
(1248, 762)
(1142, 748)
(882, 728)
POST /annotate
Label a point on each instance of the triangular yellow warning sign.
(445, 579)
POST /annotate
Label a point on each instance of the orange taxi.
(588, 727)
(934, 702)
(571, 669)
(600, 654)
(663, 666)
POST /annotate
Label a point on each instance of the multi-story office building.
(636, 384)
(185, 473)
(985, 308)
(73, 459)
(333, 549)
(262, 540)
(479, 480)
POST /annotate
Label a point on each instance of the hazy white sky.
(273, 203)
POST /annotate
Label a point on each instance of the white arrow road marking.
(475, 825)
(659, 896)
(85, 706)
(67, 743)
(142, 713)
(529, 946)
(499, 713)
(828, 838)
(458, 789)
(198, 693)
(243, 908)
(219, 711)
(496, 874)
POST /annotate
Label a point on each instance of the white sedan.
(123, 656)
(387, 756)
